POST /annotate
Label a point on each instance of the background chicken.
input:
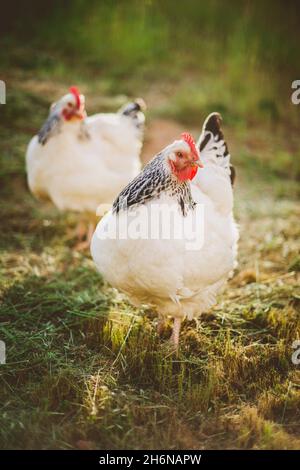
(80, 162)
(179, 281)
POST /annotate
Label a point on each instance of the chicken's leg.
(161, 325)
(175, 333)
(84, 245)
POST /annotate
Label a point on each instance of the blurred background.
(186, 59)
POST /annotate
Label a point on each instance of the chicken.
(181, 262)
(80, 162)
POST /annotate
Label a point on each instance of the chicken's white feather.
(86, 163)
(180, 282)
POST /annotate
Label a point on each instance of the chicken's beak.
(197, 163)
(78, 114)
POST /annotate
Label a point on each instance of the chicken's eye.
(179, 154)
(69, 104)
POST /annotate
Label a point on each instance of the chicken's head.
(72, 105)
(70, 108)
(183, 158)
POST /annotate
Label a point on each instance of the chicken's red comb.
(74, 90)
(188, 138)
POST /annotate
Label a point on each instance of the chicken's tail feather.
(213, 146)
(135, 111)
(212, 124)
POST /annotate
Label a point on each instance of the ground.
(86, 370)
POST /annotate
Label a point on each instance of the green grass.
(84, 368)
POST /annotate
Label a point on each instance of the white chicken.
(80, 162)
(180, 279)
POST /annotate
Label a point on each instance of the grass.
(85, 369)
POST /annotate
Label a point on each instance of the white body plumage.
(179, 281)
(85, 163)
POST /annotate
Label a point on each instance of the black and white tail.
(135, 111)
(213, 146)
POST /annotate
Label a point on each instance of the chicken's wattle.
(184, 174)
